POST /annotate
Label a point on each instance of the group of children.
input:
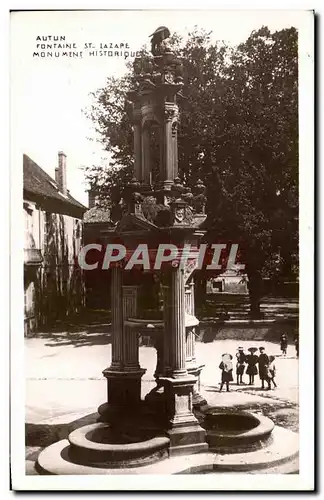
(266, 364)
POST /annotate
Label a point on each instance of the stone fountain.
(152, 436)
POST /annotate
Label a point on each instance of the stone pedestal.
(185, 434)
(197, 399)
(124, 387)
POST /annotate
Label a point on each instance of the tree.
(259, 187)
(238, 133)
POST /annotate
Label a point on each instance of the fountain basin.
(280, 457)
(236, 432)
(143, 325)
(103, 446)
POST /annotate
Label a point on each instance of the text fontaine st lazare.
(60, 47)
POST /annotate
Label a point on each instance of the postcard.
(161, 236)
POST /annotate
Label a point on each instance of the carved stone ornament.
(158, 37)
(174, 128)
(179, 214)
(137, 65)
(169, 113)
(191, 265)
(129, 108)
(169, 77)
(165, 46)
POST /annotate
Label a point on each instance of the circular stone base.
(101, 445)
(279, 454)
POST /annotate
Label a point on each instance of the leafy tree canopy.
(238, 133)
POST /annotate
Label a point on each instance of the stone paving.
(65, 386)
(63, 376)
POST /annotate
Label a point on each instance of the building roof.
(43, 187)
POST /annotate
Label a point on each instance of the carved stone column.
(117, 345)
(169, 145)
(146, 165)
(137, 148)
(185, 433)
(177, 320)
(174, 131)
(124, 374)
(190, 332)
(114, 372)
(130, 336)
(167, 329)
(191, 363)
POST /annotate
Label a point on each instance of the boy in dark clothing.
(297, 345)
(240, 360)
(283, 343)
(263, 367)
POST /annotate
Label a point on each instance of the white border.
(222, 481)
(4, 252)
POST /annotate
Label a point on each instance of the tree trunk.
(200, 288)
(255, 292)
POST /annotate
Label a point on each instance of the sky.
(48, 95)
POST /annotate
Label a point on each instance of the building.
(97, 224)
(231, 281)
(53, 284)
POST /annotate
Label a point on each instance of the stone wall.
(267, 331)
(54, 290)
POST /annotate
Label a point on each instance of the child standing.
(272, 371)
(283, 343)
(240, 365)
(252, 360)
(226, 366)
(263, 367)
(297, 345)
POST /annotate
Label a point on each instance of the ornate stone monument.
(158, 208)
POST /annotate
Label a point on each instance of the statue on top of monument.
(159, 35)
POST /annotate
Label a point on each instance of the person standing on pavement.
(283, 343)
(272, 371)
(226, 366)
(252, 360)
(296, 341)
(240, 365)
(263, 367)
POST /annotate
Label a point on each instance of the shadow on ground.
(79, 339)
(86, 329)
(249, 388)
(46, 434)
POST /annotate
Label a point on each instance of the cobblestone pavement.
(64, 379)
